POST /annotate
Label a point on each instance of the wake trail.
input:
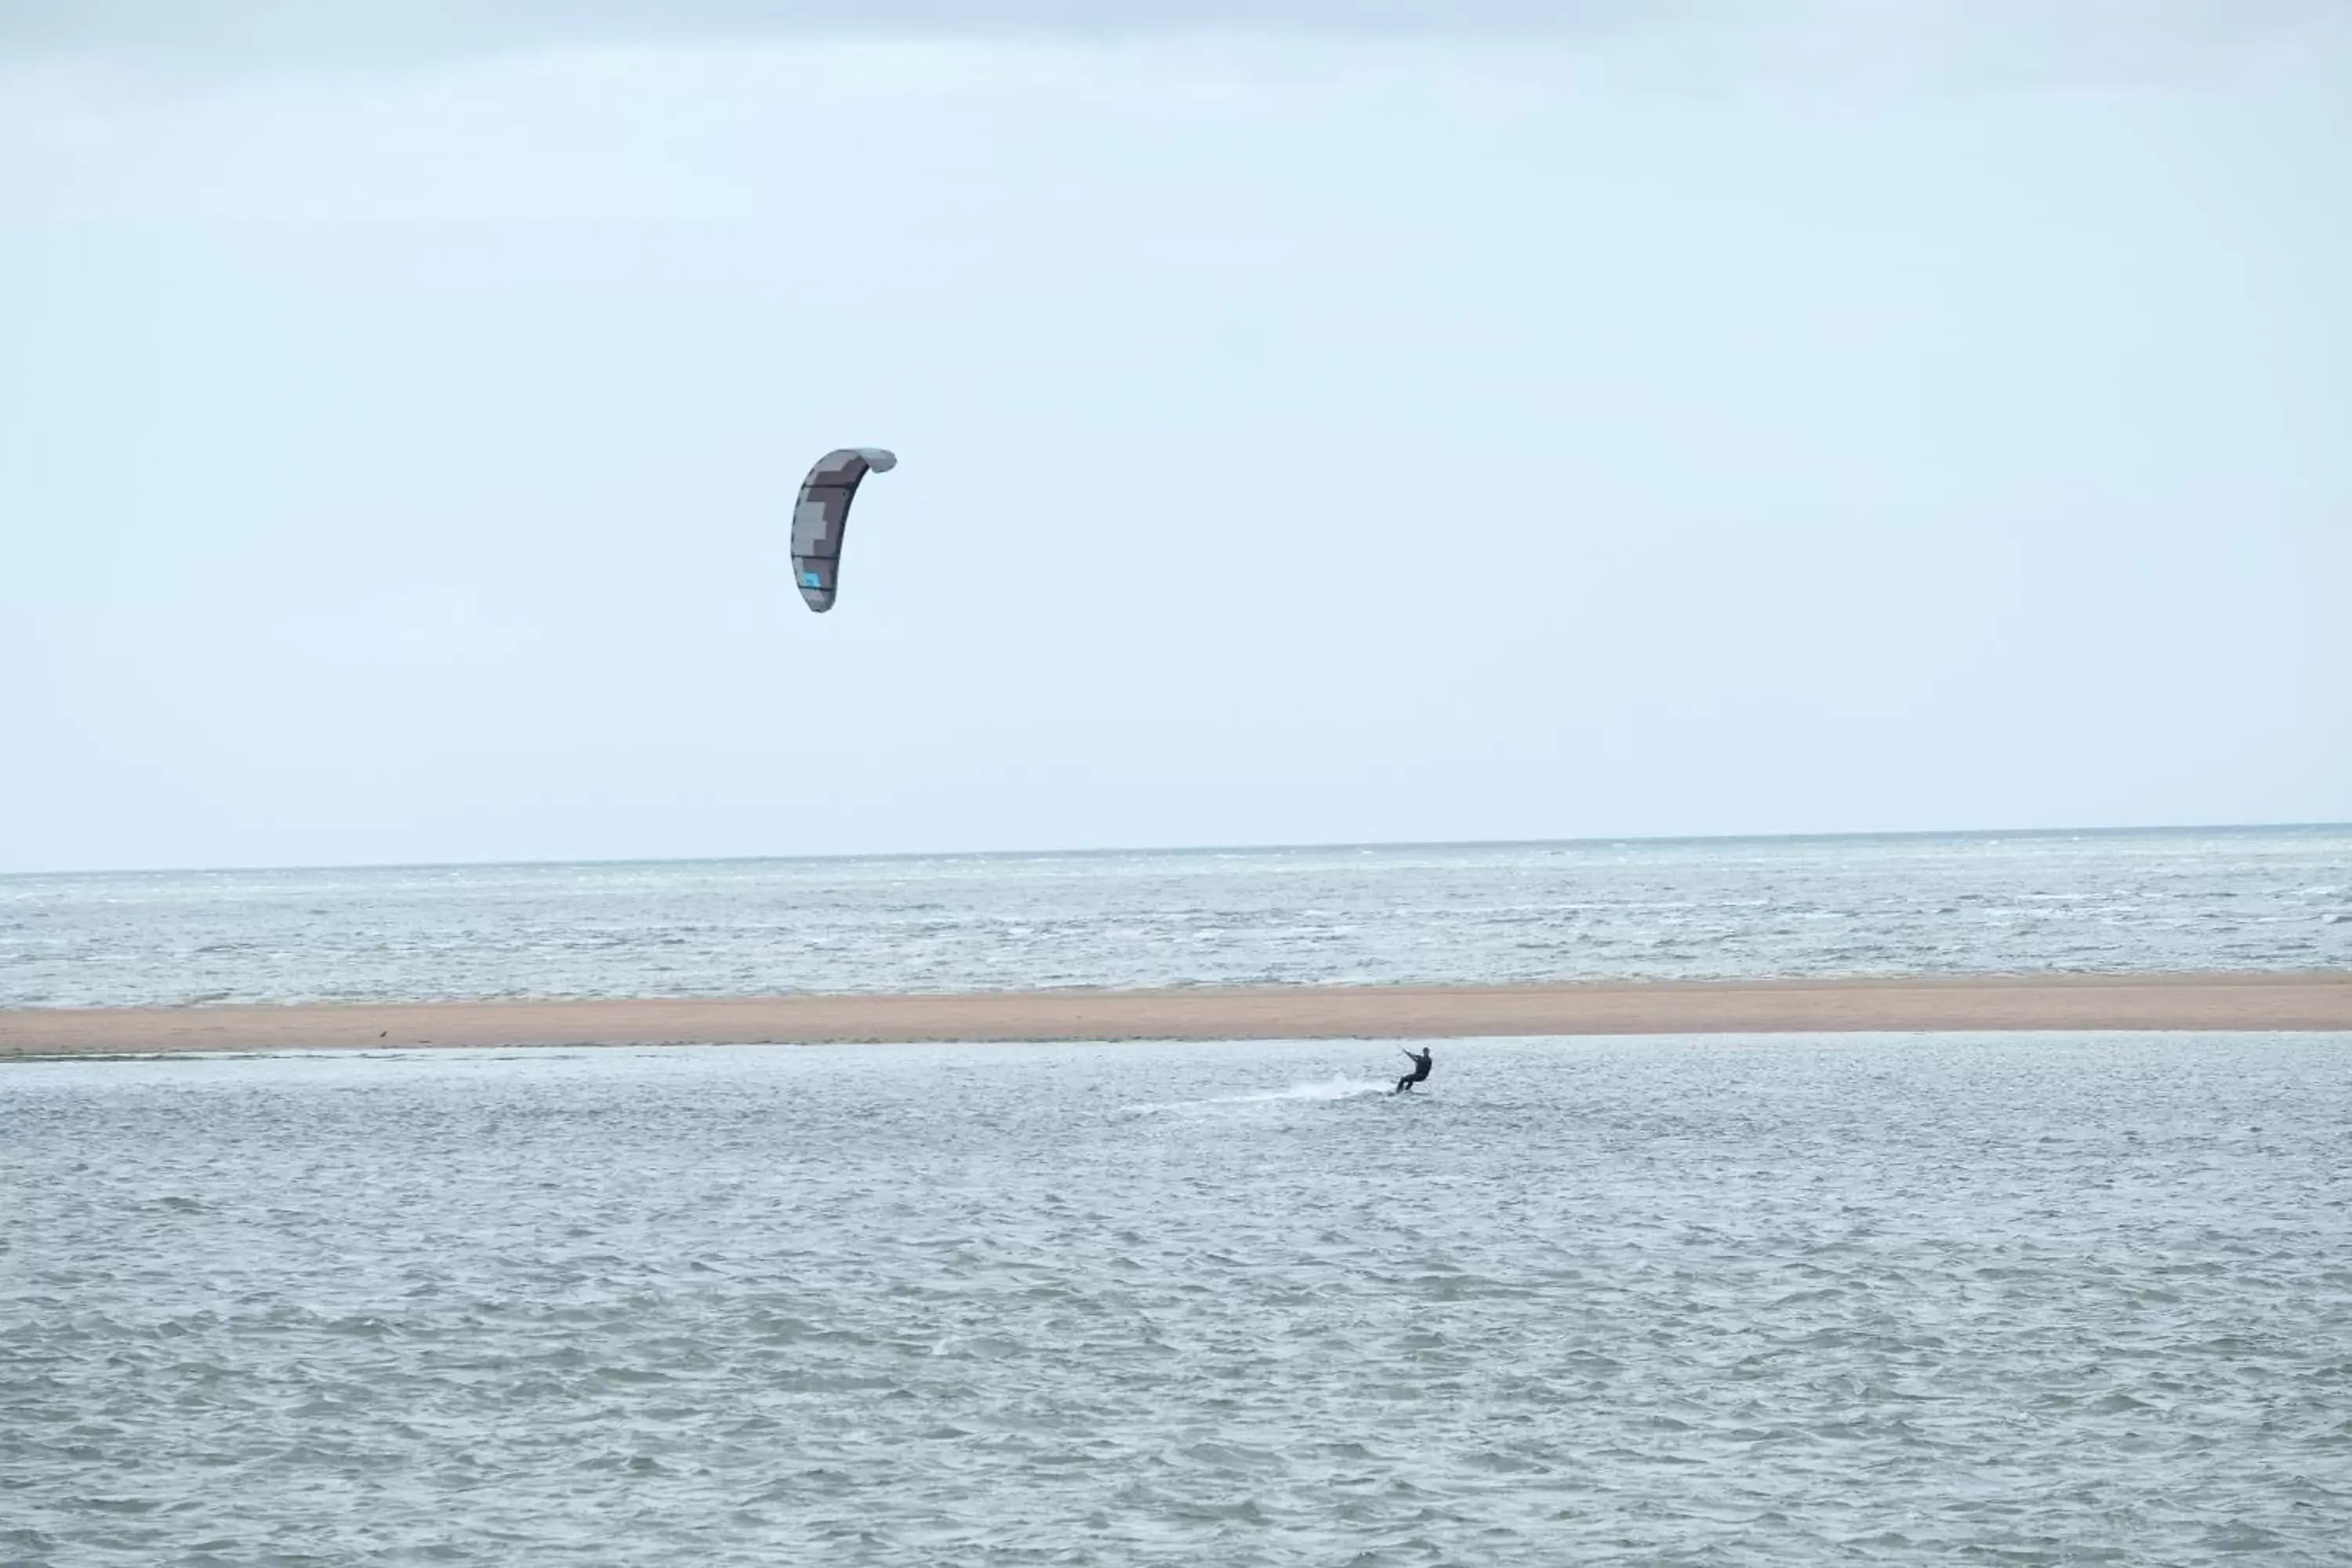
(1326, 1088)
(1329, 1089)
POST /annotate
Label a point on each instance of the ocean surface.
(2022, 1300)
(2199, 899)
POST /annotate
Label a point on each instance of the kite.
(823, 517)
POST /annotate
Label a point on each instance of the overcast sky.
(1317, 423)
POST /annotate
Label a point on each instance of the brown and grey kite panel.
(820, 518)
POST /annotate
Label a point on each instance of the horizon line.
(1585, 841)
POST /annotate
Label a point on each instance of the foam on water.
(1338, 1088)
(1327, 1089)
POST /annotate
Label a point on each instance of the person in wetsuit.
(1420, 1060)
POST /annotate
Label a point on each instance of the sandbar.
(2306, 1000)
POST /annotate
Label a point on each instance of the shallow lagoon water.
(1894, 1299)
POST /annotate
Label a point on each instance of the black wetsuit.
(1420, 1070)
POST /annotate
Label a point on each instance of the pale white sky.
(1474, 422)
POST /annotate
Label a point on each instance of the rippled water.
(2234, 898)
(1919, 1300)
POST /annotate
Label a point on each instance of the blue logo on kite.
(811, 579)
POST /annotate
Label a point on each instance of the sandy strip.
(2319, 1000)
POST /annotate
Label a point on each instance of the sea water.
(2201, 899)
(1921, 1300)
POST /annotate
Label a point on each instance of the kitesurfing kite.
(823, 517)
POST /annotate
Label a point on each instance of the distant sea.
(2195, 898)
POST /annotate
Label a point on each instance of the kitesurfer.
(1420, 1060)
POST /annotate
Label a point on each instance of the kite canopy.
(823, 517)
